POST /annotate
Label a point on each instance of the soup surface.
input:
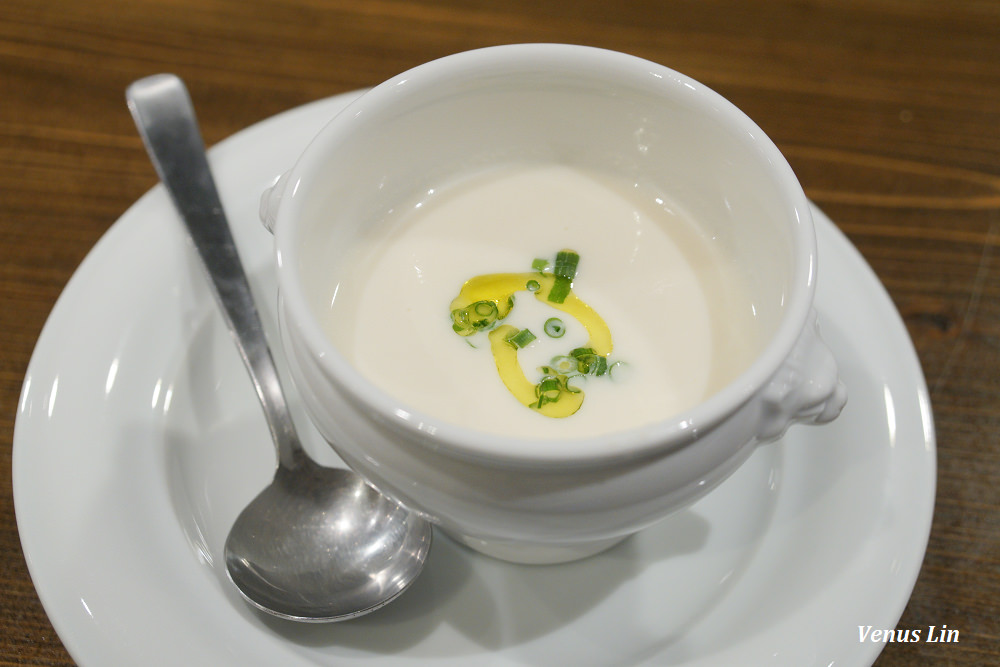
(664, 320)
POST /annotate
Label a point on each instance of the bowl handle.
(806, 389)
(269, 200)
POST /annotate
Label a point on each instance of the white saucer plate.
(138, 440)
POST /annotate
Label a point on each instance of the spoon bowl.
(357, 556)
(318, 544)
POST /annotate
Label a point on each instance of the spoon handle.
(162, 110)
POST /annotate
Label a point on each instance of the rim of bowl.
(676, 430)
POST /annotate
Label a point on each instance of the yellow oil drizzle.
(523, 389)
(493, 294)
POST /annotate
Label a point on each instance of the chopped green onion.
(552, 388)
(533, 286)
(566, 263)
(548, 390)
(540, 264)
(478, 316)
(560, 289)
(554, 327)
(521, 339)
(484, 308)
(589, 363)
(564, 364)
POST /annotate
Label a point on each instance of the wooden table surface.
(888, 110)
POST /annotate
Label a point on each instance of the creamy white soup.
(543, 301)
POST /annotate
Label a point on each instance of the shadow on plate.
(484, 604)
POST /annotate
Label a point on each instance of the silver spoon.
(318, 544)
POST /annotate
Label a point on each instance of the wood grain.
(888, 110)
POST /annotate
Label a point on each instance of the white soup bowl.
(545, 501)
